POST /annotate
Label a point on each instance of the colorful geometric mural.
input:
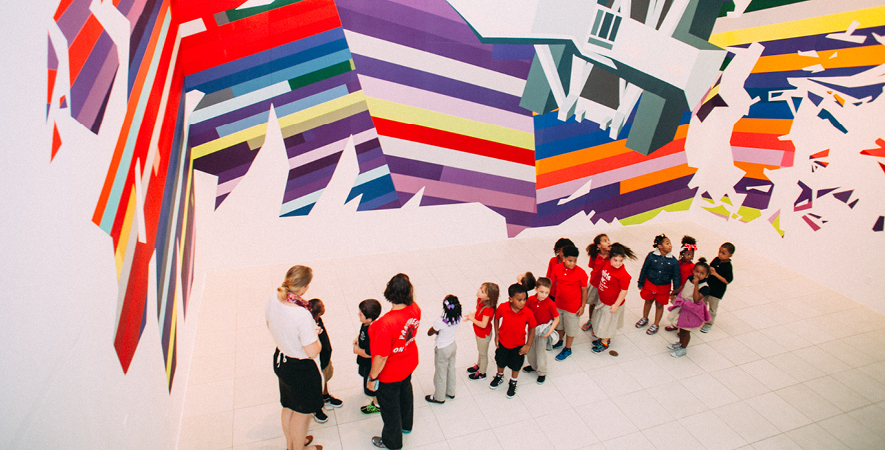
(539, 124)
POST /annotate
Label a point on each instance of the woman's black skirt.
(301, 385)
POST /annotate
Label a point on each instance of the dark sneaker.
(558, 344)
(542, 379)
(450, 396)
(528, 369)
(430, 399)
(671, 328)
(371, 408)
(511, 390)
(473, 369)
(652, 330)
(377, 442)
(320, 417)
(476, 376)
(565, 353)
(599, 347)
(642, 322)
(499, 378)
(332, 401)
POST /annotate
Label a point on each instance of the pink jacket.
(693, 315)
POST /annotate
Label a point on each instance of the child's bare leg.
(684, 337)
(659, 312)
(500, 371)
(646, 308)
(568, 341)
(514, 374)
(325, 389)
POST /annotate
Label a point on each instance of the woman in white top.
(295, 333)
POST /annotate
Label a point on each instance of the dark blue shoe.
(558, 344)
(565, 353)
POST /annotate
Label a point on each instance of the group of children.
(526, 327)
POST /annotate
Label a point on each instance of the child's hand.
(469, 316)
(613, 309)
(524, 349)
(712, 270)
(545, 336)
(319, 330)
(580, 311)
(356, 348)
(496, 341)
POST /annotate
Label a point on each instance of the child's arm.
(715, 273)
(641, 281)
(496, 329)
(620, 301)
(480, 323)
(552, 327)
(676, 277)
(360, 352)
(528, 342)
(432, 331)
(696, 295)
(584, 291)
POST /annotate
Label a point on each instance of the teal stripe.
(291, 72)
(110, 209)
(301, 202)
(283, 110)
(235, 103)
(373, 174)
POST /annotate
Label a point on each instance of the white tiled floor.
(790, 364)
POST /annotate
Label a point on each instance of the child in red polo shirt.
(556, 260)
(547, 317)
(608, 314)
(511, 321)
(486, 304)
(598, 253)
(570, 283)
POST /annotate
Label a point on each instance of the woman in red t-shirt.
(486, 304)
(394, 358)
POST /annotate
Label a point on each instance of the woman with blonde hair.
(295, 332)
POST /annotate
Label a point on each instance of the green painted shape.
(655, 123)
(236, 14)
(756, 5)
(320, 75)
(537, 95)
(684, 205)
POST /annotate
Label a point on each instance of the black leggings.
(396, 402)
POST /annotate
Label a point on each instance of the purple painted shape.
(435, 83)
(222, 160)
(374, 163)
(71, 22)
(487, 181)
(367, 146)
(124, 6)
(414, 168)
(852, 204)
(478, 54)
(436, 7)
(879, 226)
(513, 217)
(202, 132)
(822, 192)
(648, 204)
(52, 62)
(844, 196)
(332, 132)
(220, 199)
(64, 102)
(319, 180)
(305, 169)
(94, 81)
(754, 198)
(234, 173)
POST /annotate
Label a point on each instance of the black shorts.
(509, 358)
(301, 386)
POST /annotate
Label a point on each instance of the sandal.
(642, 322)
(430, 399)
(671, 328)
(652, 330)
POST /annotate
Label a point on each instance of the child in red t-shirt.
(608, 315)
(598, 252)
(547, 317)
(686, 264)
(486, 303)
(560, 244)
(570, 282)
(514, 323)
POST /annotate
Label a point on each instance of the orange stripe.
(62, 7)
(591, 154)
(83, 44)
(130, 114)
(754, 170)
(651, 179)
(871, 55)
(779, 127)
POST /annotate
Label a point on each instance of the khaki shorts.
(569, 322)
(328, 372)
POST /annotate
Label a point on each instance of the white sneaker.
(674, 346)
(678, 353)
(706, 328)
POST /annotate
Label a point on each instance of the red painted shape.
(49, 91)
(255, 34)
(459, 142)
(822, 154)
(876, 151)
(56, 141)
(82, 46)
(761, 140)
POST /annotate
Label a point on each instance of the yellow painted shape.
(777, 225)
(123, 242)
(410, 114)
(174, 325)
(726, 200)
(834, 23)
(684, 205)
(748, 214)
(718, 210)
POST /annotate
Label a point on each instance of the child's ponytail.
(451, 310)
(593, 249)
(622, 250)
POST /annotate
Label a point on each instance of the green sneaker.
(370, 409)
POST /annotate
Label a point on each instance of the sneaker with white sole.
(511, 390)
(499, 378)
(641, 323)
(542, 379)
(678, 353)
(706, 328)
(674, 346)
(320, 417)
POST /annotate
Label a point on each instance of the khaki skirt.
(606, 324)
